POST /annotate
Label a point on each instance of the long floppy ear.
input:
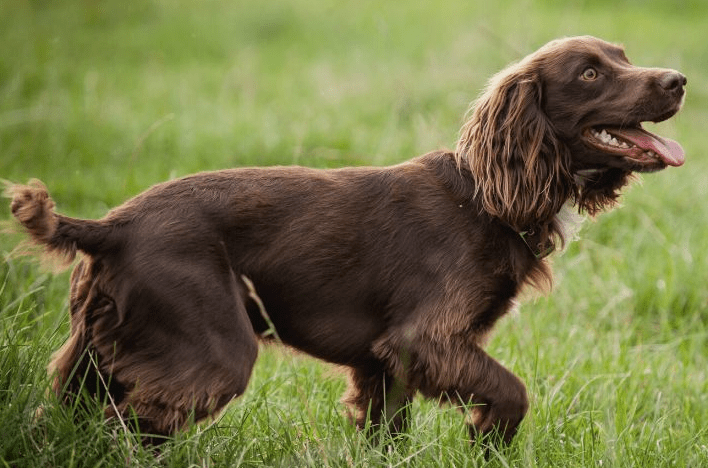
(521, 170)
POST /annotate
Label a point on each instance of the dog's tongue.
(669, 151)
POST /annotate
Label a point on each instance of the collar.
(541, 247)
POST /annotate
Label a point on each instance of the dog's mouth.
(637, 145)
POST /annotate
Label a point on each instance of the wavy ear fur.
(521, 170)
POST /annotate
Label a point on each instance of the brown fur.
(396, 272)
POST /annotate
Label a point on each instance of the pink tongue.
(668, 150)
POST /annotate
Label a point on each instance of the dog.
(396, 273)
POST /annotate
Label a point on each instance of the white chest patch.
(570, 223)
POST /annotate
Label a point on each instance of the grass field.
(101, 99)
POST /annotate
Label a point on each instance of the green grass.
(100, 100)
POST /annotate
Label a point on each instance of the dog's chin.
(630, 148)
(594, 162)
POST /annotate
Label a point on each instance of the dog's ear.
(521, 170)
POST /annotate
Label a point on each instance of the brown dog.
(396, 272)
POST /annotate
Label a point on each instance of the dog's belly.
(337, 334)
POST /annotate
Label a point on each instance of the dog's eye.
(589, 74)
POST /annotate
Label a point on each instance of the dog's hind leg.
(179, 344)
(373, 394)
(75, 367)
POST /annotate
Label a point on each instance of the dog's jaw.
(646, 151)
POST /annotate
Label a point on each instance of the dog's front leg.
(459, 370)
(469, 375)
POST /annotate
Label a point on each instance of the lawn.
(101, 99)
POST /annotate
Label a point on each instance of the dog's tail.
(59, 234)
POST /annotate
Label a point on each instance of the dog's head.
(597, 101)
(565, 122)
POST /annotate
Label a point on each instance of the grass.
(102, 99)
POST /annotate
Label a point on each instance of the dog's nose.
(672, 80)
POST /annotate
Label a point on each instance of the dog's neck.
(540, 244)
(541, 240)
(567, 223)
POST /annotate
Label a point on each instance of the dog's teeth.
(608, 139)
